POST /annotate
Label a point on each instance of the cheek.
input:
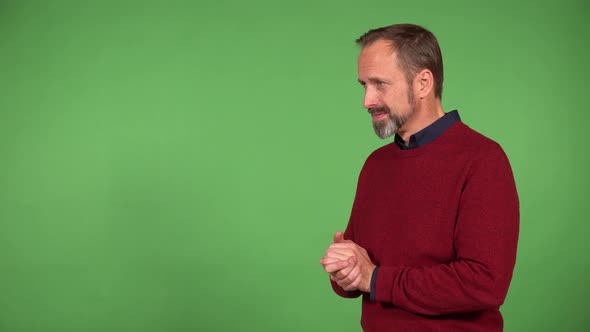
(394, 99)
(401, 98)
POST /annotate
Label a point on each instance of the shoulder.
(485, 156)
(382, 152)
(378, 160)
(477, 143)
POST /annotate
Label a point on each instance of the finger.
(345, 272)
(343, 245)
(350, 248)
(352, 260)
(345, 251)
(350, 279)
(342, 274)
(350, 272)
(353, 285)
(355, 276)
(354, 273)
(328, 259)
(338, 237)
(338, 255)
(335, 266)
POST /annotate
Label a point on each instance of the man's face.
(388, 98)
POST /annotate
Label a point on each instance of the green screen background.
(182, 165)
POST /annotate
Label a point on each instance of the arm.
(486, 235)
(347, 271)
(349, 265)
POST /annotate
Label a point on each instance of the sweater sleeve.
(485, 237)
(349, 234)
(337, 289)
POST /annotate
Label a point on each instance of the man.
(431, 240)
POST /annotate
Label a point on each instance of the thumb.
(338, 237)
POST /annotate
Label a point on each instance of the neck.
(425, 114)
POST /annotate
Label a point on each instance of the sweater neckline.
(399, 152)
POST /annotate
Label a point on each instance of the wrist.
(366, 286)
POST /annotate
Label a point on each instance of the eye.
(380, 83)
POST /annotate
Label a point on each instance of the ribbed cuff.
(373, 279)
(388, 279)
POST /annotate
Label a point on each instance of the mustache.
(381, 109)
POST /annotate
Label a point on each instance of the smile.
(379, 115)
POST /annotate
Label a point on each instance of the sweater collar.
(430, 133)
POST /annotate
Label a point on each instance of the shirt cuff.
(373, 279)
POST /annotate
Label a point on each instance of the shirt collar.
(430, 133)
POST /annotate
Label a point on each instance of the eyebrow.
(372, 80)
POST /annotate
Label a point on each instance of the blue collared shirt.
(430, 133)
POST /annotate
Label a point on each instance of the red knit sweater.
(441, 222)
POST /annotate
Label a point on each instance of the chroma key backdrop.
(183, 165)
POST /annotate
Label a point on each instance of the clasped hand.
(348, 264)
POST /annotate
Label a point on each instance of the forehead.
(377, 56)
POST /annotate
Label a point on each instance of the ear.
(423, 83)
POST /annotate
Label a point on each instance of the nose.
(370, 100)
